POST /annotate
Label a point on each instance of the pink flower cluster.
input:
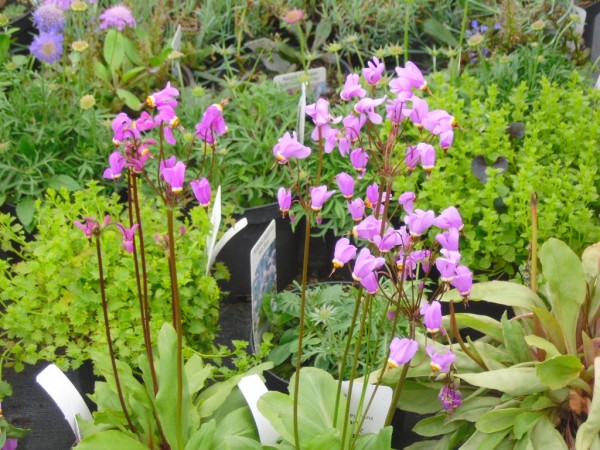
(129, 133)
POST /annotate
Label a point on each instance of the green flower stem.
(407, 17)
(301, 326)
(176, 324)
(456, 332)
(397, 393)
(534, 244)
(463, 30)
(144, 303)
(109, 338)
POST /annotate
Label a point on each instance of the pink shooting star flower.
(396, 111)
(364, 270)
(367, 106)
(368, 228)
(407, 200)
(373, 71)
(346, 184)
(289, 147)
(427, 156)
(175, 176)
(412, 157)
(144, 123)
(353, 124)
(329, 136)
(419, 221)
(122, 129)
(91, 226)
(212, 124)
(116, 163)
(449, 218)
(359, 159)
(388, 241)
(284, 197)
(357, 209)
(372, 195)
(446, 264)
(352, 88)
(168, 163)
(128, 236)
(401, 351)
(418, 112)
(202, 191)
(410, 77)
(319, 113)
(463, 281)
(438, 120)
(344, 252)
(448, 239)
(446, 138)
(432, 316)
(165, 97)
(318, 196)
(441, 360)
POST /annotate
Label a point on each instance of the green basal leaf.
(545, 436)
(484, 441)
(26, 210)
(111, 439)
(557, 372)
(524, 422)
(420, 397)
(552, 328)
(59, 181)
(27, 147)
(101, 71)
(590, 262)
(542, 344)
(379, 441)
(439, 32)
(515, 381)
(501, 293)
(114, 49)
(481, 323)
(204, 437)
(497, 420)
(589, 430)
(562, 269)
(493, 357)
(331, 438)
(278, 410)
(436, 425)
(472, 409)
(514, 340)
(197, 373)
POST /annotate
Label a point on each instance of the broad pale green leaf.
(473, 408)
(110, 439)
(501, 293)
(544, 436)
(589, 430)
(590, 262)
(484, 324)
(26, 210)
(204, 437)
(130, 99)
(237, 423)
(420, 397)
(379, 441)
(330, 438)
(525, 422)
(63, 181)
(513, 380)
(101, 71)
(240, 443)
(542, 344)
(493, 357)
(278, 410)
(484, 441)
(434, 426)
(132, 73)
(562, 269)
(552, 328)
(197, 373)
(514, 340)
(114, 49)
(497, 420)
(557, 372)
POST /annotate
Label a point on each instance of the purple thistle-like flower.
(359, 159)
(47, 47)
(344, 252)
(284, 197)
(373, 71)
(62, 4)
(432, 316)
(288, 147)
(352, 88)
(463, 281)
(175, 176)
(118, 17)
(202, 191)
(318, 196)
(441, 360)
(449, 218)
(49, 18)
(407, 200)
(357, 209)
(419, 221)
(450, 397)
(128, 235)
(116, 163)
(401, 351)
(212, 124)
(346, 184)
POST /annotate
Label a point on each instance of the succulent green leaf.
(566, 281)
(557, 372)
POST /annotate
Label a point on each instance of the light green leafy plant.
(536, 377)
(52, 299)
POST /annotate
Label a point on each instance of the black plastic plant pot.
(236, 253)
(24, 36)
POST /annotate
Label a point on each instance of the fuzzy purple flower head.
(49, 18)
(62, 4)
(118, 17)
(47, 47)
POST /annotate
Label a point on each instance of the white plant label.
(377, 412)
(317, 79)
(253, 388)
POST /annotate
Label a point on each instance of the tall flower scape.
(390, 132)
